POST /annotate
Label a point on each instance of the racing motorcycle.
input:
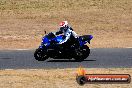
(75, 48)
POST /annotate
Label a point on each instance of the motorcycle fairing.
(84, 39)
(46, 40)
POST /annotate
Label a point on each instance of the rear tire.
(40, 55)
(82, 53)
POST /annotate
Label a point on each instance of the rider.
(67, 30)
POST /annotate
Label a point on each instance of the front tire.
(82, 53)
(40, 55)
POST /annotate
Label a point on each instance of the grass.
(55, 78)
(24, 21)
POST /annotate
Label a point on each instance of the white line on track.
(22, 69)
(34, 49)
(8, 69)
(22, 49)
(128, 47)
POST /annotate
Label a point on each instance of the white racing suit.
(67, 33)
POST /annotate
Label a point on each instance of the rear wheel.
(82, 53)
(40, 55)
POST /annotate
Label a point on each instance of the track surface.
(99, 58)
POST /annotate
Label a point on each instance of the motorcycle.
(75, 48)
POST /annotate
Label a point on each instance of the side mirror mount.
(45, 32)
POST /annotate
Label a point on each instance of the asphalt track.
(99, 58)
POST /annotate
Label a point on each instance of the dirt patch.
(55, 78)
(22, 23)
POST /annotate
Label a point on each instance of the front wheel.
(40, 55)
(82, 53)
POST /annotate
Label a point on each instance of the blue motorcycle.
(74, 48)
